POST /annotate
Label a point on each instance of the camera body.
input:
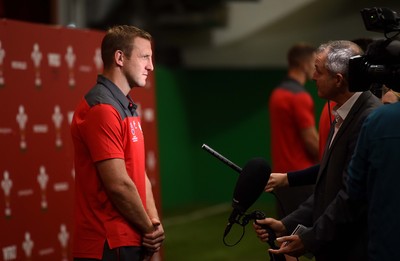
(380, 65)
(380, 19)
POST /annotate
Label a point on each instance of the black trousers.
(128, 253)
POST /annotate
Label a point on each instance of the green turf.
(201, 240)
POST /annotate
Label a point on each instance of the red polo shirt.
(104, 127)
(291, 110)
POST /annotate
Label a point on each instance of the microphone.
(221, 158)
(249, 187)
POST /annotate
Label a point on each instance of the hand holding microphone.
(268, 229)
(250, 185)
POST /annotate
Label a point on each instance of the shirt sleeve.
(359, 165)
(303, 177)
(302, 215)
(103, 133)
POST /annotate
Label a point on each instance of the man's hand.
(290, 245)
(276, 225)
(153, 241)
(276, 180)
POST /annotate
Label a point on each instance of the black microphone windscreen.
(251, 183)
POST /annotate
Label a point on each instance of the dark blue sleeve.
(359, 166)
(303, 177)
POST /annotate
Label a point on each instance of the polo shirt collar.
(125, 101)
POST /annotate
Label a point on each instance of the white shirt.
(341, 112)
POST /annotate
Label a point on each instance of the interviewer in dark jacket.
(331, 234)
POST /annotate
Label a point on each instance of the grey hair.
(338, 55)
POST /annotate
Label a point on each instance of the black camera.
(380, 65)
(380, 19)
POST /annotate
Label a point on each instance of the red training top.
(291, 110)
(105, 126)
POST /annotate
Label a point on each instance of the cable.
(234, 244)
(330, 112)
(279, 203)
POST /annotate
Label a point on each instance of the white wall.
(265, 46)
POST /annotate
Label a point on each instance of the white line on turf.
(196, 215)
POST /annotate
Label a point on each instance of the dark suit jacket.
(336, 231)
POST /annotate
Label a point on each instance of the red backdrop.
(44, 72)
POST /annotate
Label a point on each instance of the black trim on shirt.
(106, 92)
(292, 85)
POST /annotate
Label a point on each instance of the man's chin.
(138, 85)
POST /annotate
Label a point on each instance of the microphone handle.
(222, 158)
(271, 238)
(271, 243)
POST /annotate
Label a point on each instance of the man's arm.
(123, 193)
(335, 223)
(152, 241)
(359, 166)
(150, 202)
(292, 179)
(302, 215)
(303, 177)
(311, 141)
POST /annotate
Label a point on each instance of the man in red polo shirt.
(115, 213)
(294, 136)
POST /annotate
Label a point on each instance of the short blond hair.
(120, 37)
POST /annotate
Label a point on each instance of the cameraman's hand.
(290, 245)
(276, 180)
(276, 225)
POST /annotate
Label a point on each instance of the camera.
(380, 65)
(381, 20)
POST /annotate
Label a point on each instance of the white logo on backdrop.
(10, 253)
(97, 60)
(57, 119)
(42, 179)
(151, 160)
(70, 116)
(54, 60)
(27, 245)
(36, 56)
(6, 185)
(148, 114)
(70, 57)
(22, 118)
(63, 237)
(2, 55)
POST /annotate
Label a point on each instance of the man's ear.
(340, 80)
(119, 57)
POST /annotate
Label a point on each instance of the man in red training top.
(115, 217)
(294, 136)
